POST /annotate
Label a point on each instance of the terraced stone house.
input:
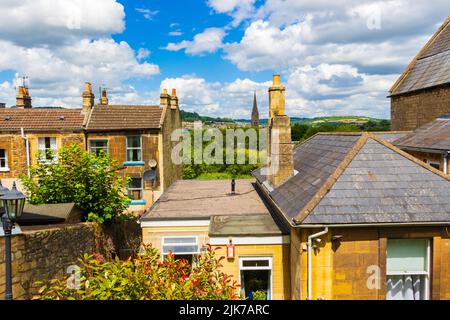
(138, 137)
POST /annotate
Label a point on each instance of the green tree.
(298, 131)
(144, 278)
(90, 181)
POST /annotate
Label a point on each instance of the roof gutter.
(438, 151)
(360, 225)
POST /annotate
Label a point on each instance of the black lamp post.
(13, 203)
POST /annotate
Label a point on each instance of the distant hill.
(194, 116)
(334, 120)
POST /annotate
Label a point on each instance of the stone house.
(138, 137)
(422, 92)
(345, 216)
(429, 143)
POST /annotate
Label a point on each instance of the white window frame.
(55, 150)
(6, 167)
(434, 162)
(196, 243)
(141, 188)
(133, 148)
(257, 258)
(90, 146)
(418, 273)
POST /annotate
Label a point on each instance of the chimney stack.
(164, 99)
(104, 98)
(280, 147)
(88, 98)
(174, 99)
(23, 99)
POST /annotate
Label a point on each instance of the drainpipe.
(310, 239)
(27, 146)
(445, 162)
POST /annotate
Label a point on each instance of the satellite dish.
(150, 175)
(152, 163)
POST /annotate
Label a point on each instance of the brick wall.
(43, 253)
(410, 111)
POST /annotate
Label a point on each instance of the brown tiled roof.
(432, 136)
(201, 199)
(116, 117)
(41, 119)
(431, 67)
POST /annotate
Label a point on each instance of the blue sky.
(335, 57)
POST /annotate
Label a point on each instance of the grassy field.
(336, 120)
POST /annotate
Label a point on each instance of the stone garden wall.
(43, 252)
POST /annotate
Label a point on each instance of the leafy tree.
(298, 131)
(144, 278)
(90, 181)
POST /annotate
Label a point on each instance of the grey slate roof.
(360, 179)
(382, 186)
(433, 136)
(249, 225)
(391, 136)
(431, 67)
(315, 160)
(201, 199)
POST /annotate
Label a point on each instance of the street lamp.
(13, 202)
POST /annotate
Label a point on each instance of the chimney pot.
(276, 80)
(174, 92)
(164, 91)
(87, 87)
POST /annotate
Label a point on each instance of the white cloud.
(175, 33)
(143, 53)
(310, 92)
(234, 99)
(58, 69)
(238, 9)
(147, 13)
(46, 22)
(208, 41)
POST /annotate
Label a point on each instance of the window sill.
(4, 170)
(134, 163)
(137, 202)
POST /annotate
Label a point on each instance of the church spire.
(255, 113)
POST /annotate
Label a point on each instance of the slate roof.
(391, 136)
(117, 117)
(432, 136)
(248, 225)
(360, 179)
(315, 160)
(201, 199)
(50, 213)
(50, 119)
(431, 67)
